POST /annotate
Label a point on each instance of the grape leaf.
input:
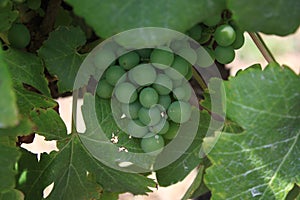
(110, 17)
(7, 16)
(179, 169)
(49, 123)
(60, 55)
(81, 177)
(9, 156)
(8, 106)
(269, 16)
(24, 127)
(26, 68)
(263, 161)
(28, 100)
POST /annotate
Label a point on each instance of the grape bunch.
(151, 86)
(220, 36)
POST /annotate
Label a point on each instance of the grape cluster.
(152, 87)
(220, 36)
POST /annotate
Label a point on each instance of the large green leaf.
(8, 106)
(109, 17)
(61, 57)
(7, 16)
(8, 159)
(26, 68)
(263, 161)
(268, 16)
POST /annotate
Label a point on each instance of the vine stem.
(261, 45)
(74, 111)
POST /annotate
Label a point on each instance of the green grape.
(126, 92)
(178, 44)
(204, 57)
(188, 54)
(224, 35)
(195, 32)
(18, 36)
(148, 97)
(224, 55)
(131, 110)
(105, 58)
(172, 131)
(189, 75)
(143, 74)
(179, 111)
(136, 129)
(239, 39)
(162, 58)
(163, 84)
(33, 4)
(129, 60)
(205, 37)
(182, 92)
(150, 116)
(104, 89)
(212, 20)
(161, 128)
(164, 101)
(179, 68)
(177, 83)
(144, 53)
(114, 73)
(153, 144)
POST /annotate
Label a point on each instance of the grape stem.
(261, 45)
(199, 79)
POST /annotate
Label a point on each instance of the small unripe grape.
(163, 84)
(162, 58)
(148, 97)
(225, 35)
(153, 145)
(114, 73)
(150, 116)
(126, 92)
(143, 74)
(129, 60)
(239, 40)
(179, 111)
(179, 68)
(18, 36)
(224, 55)
(172, 131)
(136, 129)
(188, 54)
(189, 75)
(195, 32)
(131, 110)
(164, 101)
(104, 89)
(161, 128)
(182, 92)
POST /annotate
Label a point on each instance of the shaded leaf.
(26, 68)
(269, 16)
(60, 55)
(8, 106)
(9, 157)
(263, 161)
(28, 100)
(109, 17)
